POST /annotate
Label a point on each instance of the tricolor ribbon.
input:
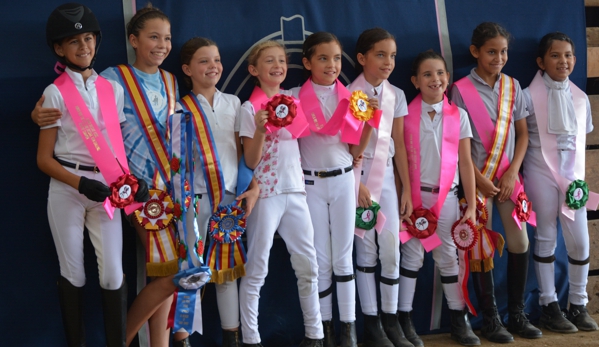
(465, 237)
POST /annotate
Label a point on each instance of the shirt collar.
(78, 78)
(324, 90)
(477, 78)
(438, 107)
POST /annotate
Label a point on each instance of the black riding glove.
(93, 190)
(143, 194)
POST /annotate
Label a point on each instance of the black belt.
(435, 190)
(332, 173)
(94, 169)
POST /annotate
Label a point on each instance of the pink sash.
(298, 128)
(111, 166)
(374, 181)
(538, 93)
(449, 158)
(342, 119)
(488, 133)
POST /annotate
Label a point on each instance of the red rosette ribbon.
(464, 235)
(175, 164)
(523, 207)
(123, 190)
(281, 110)
(424, 223)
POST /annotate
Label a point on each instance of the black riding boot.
(374, 335)
(329, 333)
(348, 334)
(183, 343)
(516, 285)
(393, 330)
(231, 338)
(492, 329)
(461, 331)
(554, 319)
(71, 306)
(114, 305)
(405, 321)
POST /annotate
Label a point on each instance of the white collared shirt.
(431, 137)
(69, 146)
(319, 151)
(224, 120)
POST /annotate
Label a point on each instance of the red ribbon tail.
(171, 315)
(465, 284)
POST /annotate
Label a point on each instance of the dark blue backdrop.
(29, 312)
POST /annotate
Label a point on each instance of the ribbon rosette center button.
(125, 191)
(421, 224)
(282, 111)
(578, 194)
(362, 105)
(367, 216)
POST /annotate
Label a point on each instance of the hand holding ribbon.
(143, 193)
(93, 189)
(284, 112)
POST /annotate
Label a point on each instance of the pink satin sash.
(538, 93)
(342, 120)
(376, 176)
(112, 164)
(449, 159)
(298, 128)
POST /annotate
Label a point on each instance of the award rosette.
(188, 312)
(366, 218)
(523, 210)
(465, 238)
(482, 213)
(123, 191)
(577, 194)
(281, 110)
(156, 213)
(424, 223)
(360, 107)
(227, 224)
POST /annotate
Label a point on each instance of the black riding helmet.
(69, 20)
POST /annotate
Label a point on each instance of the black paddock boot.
(231, 338)
(329, 333)
(374, 335)
(516, 285)
(71, 307)
(308, 342)
(253, 345)
(114, 305)
(553, 319)
(579, 316)
(393, 330)
(348, 334)
(183, 343)
(461, 331)
(405, 321)
(492, 329)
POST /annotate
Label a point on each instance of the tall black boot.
(329, 333)
(308, 342)
(405, 321)
(517, 270)
(114, 305)
(492, 329)
(374, 335)
(71, 306)
(393, 330)
(348, 334)
(461, 331)
(231, 338)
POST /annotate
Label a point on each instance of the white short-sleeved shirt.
(401, 110)
(324, 152)
(280, 168)
(141, 162)
(431, 138)
(69, 146)
(224, 119)
(490, 97)
(564, 142)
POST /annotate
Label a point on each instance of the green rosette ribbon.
(366, 217)
(577, 194)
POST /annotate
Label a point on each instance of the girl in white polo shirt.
(201, 63)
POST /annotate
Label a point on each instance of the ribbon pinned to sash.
(449, 159)
(111, 162)
(226, 254)
(572, 189)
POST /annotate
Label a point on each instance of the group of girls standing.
(402, 165)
